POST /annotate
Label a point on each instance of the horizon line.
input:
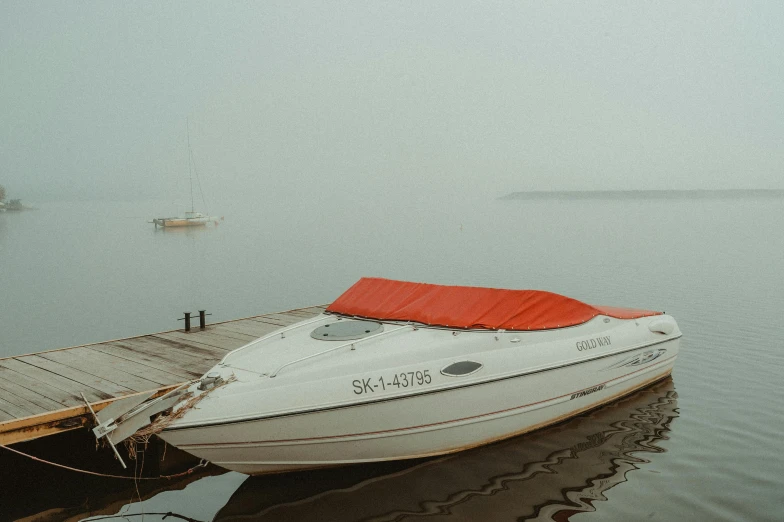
(587, 193)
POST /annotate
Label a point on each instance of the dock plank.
(137, 367)
(315, 310)
(171, 351)
(172, 366)
(232, 334)
(194, 349)
(5, 416)
(53, 386)
(24, 405)
(304, 314)
(216, 345)
(76, 375)
(14, 410)
(222, 330)
(252, 322)
(282, 317)
(12, 388)
(256, 330)
(262, 320)
(108, 367)
(219, 339)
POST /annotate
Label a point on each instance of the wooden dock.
(40, 392)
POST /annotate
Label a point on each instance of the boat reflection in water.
(550, 474)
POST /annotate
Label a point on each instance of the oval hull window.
(346, 330)
(462, 368)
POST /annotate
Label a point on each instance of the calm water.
(702, 446)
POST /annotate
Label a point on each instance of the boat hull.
(427, 423)
(180, 222)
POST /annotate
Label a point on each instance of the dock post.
(202, 320)
(187, 321)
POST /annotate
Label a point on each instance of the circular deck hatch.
(346, 330)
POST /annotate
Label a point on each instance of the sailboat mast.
(190, 159)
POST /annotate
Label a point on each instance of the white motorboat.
(397, 370)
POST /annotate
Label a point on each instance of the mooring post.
(187, 321)
(202, 320)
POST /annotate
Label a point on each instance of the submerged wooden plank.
(76, 375)
(55, 387)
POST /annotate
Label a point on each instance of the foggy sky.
(421, 96)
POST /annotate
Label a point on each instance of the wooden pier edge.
(66, 419)
(202, 348)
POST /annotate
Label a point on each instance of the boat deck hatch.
(346, 330)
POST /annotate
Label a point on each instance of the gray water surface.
(704, 445)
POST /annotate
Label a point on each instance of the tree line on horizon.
(11, 204)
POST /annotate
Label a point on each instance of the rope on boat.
(203, 463)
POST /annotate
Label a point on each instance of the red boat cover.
(469, 307)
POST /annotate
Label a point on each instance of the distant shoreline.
(647, 194)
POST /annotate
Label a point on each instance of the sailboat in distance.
(191, 218)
